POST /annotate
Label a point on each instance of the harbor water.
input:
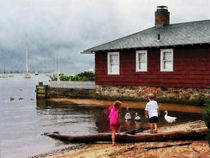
(23, 119)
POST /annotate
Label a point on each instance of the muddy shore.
(129, 104)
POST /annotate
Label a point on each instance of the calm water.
(23, 121)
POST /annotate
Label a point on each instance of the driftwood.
(198, 134)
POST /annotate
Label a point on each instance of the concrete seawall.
(46, 91)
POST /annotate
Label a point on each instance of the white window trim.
(137, 62)
(161, 60)
(108, 63)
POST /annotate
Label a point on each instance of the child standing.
(113, 119)
(152, 111)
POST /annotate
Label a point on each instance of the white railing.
(73, 84)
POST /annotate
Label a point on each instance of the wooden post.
(41, 91)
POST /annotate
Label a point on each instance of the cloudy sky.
(56, 31)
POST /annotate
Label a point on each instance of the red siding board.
(191, 69)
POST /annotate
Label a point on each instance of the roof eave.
(87, 52)
(145, 47)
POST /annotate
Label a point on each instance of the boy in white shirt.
(152, 111)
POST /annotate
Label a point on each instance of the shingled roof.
(189, 33)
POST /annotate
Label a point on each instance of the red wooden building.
(166, 55)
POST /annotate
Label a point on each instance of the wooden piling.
(41, 91)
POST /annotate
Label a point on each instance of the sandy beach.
(160, 149)
(170, 149)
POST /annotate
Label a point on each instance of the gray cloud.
(58, 30)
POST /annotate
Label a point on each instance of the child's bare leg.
(151, 127)
(119, 130)
(155, 125)
(113, 136)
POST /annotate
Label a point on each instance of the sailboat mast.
(26, 59)
(26, 74)
(4, 68)
(26, 42)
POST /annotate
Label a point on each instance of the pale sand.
(167, 149)
(198, 149)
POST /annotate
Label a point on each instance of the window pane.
(114, 68)
(113, 63)
(167, 64)
(113, 60)
(142, 57)
(141, 62)
(166, 60)
(111, 69)
(167, 56)
(142, 65)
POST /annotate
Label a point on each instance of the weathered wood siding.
(191, 69)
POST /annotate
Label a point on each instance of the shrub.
(202, 99)
(64, 77)
(84, 76)
(75, 78)
(53, 78)
(206, 117)
(89, 75)
(207, 114)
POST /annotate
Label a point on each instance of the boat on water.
(11, 75)
(27, 75)
(36, 73)
(4, 75)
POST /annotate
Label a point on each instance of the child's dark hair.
(117, 104)
(151, 96)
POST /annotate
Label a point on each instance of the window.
(166, 60)
(141, 61)
(113, 63)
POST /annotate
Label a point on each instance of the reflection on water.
(70, 119)
(78, 120)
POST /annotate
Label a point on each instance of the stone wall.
(135, 93)
(166, 95)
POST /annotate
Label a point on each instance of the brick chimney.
(161, 16)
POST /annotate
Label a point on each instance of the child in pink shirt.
(113, 119)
